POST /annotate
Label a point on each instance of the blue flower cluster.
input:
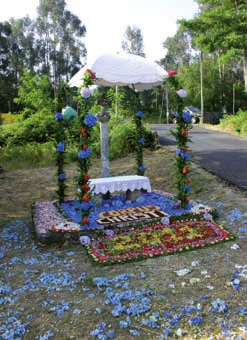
(142, 168)
(73, 212)
(62, 176)
(141, 140)
(234, 215)
(87, 205)
(182, 154)
(59, 309)
(90, 120)
(101, 333)
(60, 147)
(140, 114)
(186, 116)
(235, 280)
(59, 116)
(187, 188)
(220, 306)
(84, 153)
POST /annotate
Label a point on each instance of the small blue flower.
(59, 116)
(60, 147)
(134, 332)
(195, 321)
(90, 120)
(141, 140)
(140, 114)
(87, 205)
(123, 324)
(110, 334)
(142, 168)
(84, 153)
(62, 176)
(187, 188)
(143, 276)
(186, 116)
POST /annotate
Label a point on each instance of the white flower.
(84, 240)
(235, 246)
(208, 217)
(182, 272)
(109, 232)
(67, 226)
(165, 220)
(182, 93)
(85, 92)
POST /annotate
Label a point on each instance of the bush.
(122, 138)
(36, 129)
(235, 123)
(33, 154)
(27, 136)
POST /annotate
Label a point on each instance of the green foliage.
(235, 123)
(60, 156)
(123, 140)
(35, 95)
(29, 155)
(38, 128)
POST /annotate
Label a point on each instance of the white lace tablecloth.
(120, 183)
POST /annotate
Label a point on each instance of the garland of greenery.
(86, 123)
(60, 156)
(182, 137)
(140, 132)
(61, 141)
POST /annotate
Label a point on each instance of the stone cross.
(104, 117)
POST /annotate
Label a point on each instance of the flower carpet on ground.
(153, 225)
(70, 209)
(156, 240)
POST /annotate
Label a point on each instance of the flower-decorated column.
(104, 117)
(61, 175)
(138, 118)
(182, 137)
(86, 122)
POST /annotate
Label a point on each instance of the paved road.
(220, 153)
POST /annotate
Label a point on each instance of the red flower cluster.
(185, 170)
(86, 198)
(83, 132)
(185, 132)
(91, 73)
(85, 220)
(85, 187)
(172, 73)
(86, 177)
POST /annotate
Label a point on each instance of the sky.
(106, 21)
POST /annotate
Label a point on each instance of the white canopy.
(122, 70)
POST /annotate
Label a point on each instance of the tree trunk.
(245, 69)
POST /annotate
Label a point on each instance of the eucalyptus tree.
(133, 41)
(6, 89)
(180, 50)
(60, 40)
(221, 28)
(23, 43)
